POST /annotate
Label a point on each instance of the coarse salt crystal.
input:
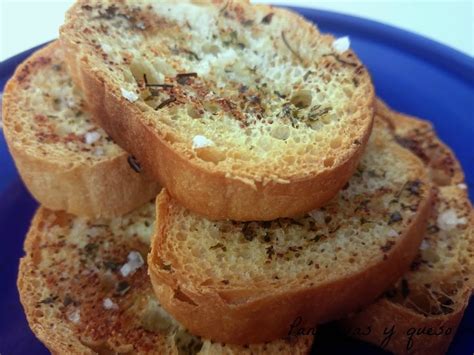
(317, 215)
(93, 232)
(462, 186)
(109, 304)
(341, 44)
(392, 233)
(424, 245)
(135, 261)
(201, 142)
(70, 102)
(92, 137)
(448, 220)
(75, 316)
(129, 95)
(106, 47)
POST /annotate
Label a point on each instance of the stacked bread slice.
(286, 202)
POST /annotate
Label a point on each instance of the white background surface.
(27, 23)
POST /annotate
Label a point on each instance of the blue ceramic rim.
(450, 59)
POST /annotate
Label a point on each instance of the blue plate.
(411, 73)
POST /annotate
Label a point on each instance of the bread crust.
(204, 190)
(104, 188)
(259, 315)
(383, 314)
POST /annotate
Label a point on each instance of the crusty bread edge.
(209, 193)
(270, 316)
(108, 188)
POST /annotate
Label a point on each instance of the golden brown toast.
(241, 111)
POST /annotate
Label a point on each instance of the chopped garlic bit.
(341, 44)
(129, 95)
(462, 186)
(75, 316)
(109, 304)
(135, 261)
(201, 142)
(92, 137)
(424, 245)
(448, 220)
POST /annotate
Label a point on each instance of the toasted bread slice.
(425, 306)
(241, 111)
(239, 282)
(78, 301)
(66, 161)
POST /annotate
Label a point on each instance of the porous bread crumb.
(129, 95)
(201, 142)
(449, 220)
(135, 261)
(341, 44)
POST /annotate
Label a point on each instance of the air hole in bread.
(281, 132)
(193, 111)
(211, 107)
(336, 142)
(302, 99)
(210, 154)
